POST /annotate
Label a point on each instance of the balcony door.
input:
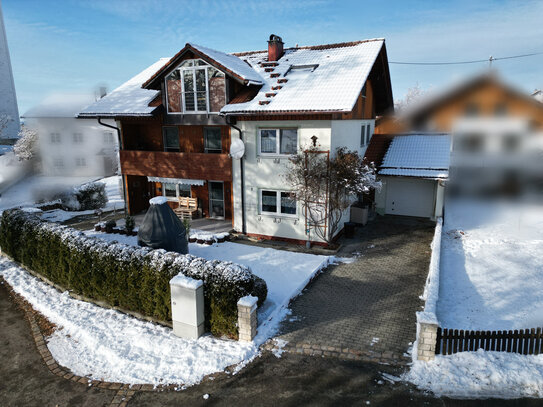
(216, 200)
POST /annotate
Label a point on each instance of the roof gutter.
(242, 176)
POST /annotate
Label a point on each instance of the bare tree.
(414, 94)
(326, 186)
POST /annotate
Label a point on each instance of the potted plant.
(110, 224)
(359, 212)
(129, 224)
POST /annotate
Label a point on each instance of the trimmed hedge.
(133, 278)
(91, 195)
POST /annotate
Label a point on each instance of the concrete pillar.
(247, 318)
(427, 336)
(187, 297)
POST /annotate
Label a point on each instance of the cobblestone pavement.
(365, 309)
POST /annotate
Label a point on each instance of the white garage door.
(410, 197)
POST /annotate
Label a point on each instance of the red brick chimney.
(275, 48)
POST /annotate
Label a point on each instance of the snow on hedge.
(107, 345)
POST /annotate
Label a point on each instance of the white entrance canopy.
(176, 181)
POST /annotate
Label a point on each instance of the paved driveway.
(366, 309)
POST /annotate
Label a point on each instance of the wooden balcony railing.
(216, 167)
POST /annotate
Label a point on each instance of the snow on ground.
(480, 375)
(286, 273)
(490, 279)
(28, 191)
(108, 345)
(491, 266)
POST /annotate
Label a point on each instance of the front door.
(216, 199)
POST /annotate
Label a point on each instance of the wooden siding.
(177, 165)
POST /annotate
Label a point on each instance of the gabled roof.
(129, 99)
(228, 63)
(323, 78)
(418, 155)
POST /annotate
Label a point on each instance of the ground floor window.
(175, 191)
(277, 202)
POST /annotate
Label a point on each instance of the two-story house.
(177, 120)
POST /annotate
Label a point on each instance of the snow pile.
(207, 236)
(480, 375)
(107, 345)
(186, 282)
(491, 266)
(248, 301)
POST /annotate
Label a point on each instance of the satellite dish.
(237, 148)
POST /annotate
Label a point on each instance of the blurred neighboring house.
(69, 146)
(8, 100)
(495, 142)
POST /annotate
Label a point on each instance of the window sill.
(277, 215)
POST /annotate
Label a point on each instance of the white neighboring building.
(69, 146)
(8, 100)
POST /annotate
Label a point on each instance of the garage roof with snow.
(418, 155)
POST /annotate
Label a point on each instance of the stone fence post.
(426, 336)
(247, 318)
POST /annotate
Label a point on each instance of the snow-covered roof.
(538, 95)
(319, 78)
(129, 99)
(418, 155)
(61, 105)
(232, 62)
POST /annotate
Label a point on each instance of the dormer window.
(195, 87)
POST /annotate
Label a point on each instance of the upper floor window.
(278, 141)
(78, 138)
(171, 138)
(365, 135)
(195, 87)
(55, 138)
(212, 140)
(471, 109)
(108, 137)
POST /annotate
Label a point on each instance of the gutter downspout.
(242, 175)
(120, 148)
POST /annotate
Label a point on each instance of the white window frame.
(77, 138)
(278, 213)
(80, 162)
(108, 137)
(365, 134)
(193, 68)
(55, 138)
(277, 141)
(176, 198)
(57, 161)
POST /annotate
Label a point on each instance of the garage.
(413, 170)
(410, 197)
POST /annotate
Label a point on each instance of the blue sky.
(59, 46)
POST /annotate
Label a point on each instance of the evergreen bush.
(133, 278)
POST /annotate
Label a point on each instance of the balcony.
(216, 167)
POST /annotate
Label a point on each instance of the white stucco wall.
(93, 149)
(265, 172)
(347, 133)
(8, 100)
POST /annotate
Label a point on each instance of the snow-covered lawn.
(26, 193)
(491, 274)
(491, 266)
(286, 273)
(112, 346)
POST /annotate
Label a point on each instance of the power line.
(477, 61)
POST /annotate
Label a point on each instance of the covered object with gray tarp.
(162, 229)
